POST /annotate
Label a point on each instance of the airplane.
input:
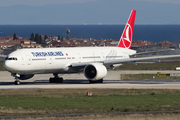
(94, 62)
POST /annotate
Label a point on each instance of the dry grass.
(162, 116)
(65, 93)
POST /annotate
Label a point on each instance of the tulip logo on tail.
(126, 38)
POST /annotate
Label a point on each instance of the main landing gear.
(56, 79)
(96, 81)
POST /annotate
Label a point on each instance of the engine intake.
(95, 71)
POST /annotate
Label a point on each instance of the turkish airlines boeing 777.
(93, 61)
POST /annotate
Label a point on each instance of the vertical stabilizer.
(126, 37)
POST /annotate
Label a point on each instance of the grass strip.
(147, 77)
(149, 66)
(1, 67)
(58, 101)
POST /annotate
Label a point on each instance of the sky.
(13, 12)
(46, 2)
(39, 2)
(161, 1)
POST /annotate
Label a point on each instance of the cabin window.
(114, 56)
(39, 59)
(60, 58)
(91, 57)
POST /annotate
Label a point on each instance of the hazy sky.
(46, 2)
(88, 11)
(161, 1)
(39, 2)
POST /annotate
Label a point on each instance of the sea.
(150, 33)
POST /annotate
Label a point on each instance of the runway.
(74, 81)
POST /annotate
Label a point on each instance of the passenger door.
(28, 60)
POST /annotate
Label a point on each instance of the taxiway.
(73, 81)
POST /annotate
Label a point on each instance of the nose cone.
(8, 65)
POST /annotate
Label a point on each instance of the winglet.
(126, 37)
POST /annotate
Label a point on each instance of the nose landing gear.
(16, 82)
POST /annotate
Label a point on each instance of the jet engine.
(25, 77)
(95, 71)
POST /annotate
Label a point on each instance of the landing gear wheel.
(59, 80)
(97, 81)
(92, 81)
(51, 80)
(100, 81)
(17, 82)
(56, 80)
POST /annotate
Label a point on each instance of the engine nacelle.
(25, 77)
(95, 71)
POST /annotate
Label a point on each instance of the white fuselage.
(58, 60)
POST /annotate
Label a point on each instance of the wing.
(139, 59)
(141, 53)
(80, 66)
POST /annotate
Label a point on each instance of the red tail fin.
(126, 37)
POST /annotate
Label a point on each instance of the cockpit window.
(11, 58)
